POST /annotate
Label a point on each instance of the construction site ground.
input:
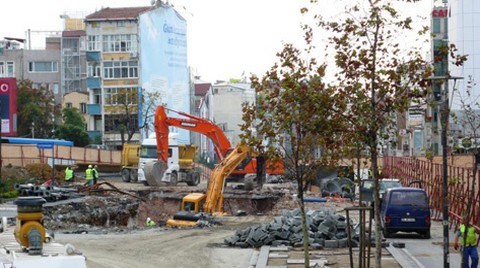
(138, 246)
(199, 247)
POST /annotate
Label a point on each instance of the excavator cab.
(193, 202)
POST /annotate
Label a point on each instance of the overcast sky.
(225, 37)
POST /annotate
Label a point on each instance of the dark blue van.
(405, 210)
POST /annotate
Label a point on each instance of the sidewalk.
(425, 252)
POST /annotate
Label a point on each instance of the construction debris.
(92, 213)
(325, 229)
(48, 192)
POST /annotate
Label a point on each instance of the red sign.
(8, 106)
(440, 12)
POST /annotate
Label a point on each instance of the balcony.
(93, 82)
(94, 109)
(93, 56)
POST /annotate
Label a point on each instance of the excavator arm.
(189, 122)
(213, 199)
(214, 196)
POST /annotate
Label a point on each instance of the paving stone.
(277, 255)
(331, 243)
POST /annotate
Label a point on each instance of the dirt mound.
(12, 172)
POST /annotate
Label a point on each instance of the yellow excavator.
(195, 206)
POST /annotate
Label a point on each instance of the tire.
(126, 175)
(426, 234)
(173, 179)
(133, 175)
(386, 233)
(195, 179)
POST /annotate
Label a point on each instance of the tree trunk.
(304, 223)
(376, 200)
(261, 174)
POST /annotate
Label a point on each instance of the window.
(10, 69)
(97, 96)
(69, 105)
(93, 70)
(55, 88)
(121, 23)
(115, 121)
(120, 43)
(83, 107)
(93, 43)
(148, 151)
(95, 24)
(7, 69)
(43, 66)
(120, 69)
(120, 96)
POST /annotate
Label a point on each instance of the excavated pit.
(121, 212)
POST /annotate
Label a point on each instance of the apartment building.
(112, 68)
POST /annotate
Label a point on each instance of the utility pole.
(444, 119)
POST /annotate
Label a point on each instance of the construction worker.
(149, 222)
(69, 174)
(95, 174)
(468, 247)
(89, 175)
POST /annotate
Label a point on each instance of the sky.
(226, 38)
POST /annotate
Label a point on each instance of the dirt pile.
(12, 172)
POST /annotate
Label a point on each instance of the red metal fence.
(430, 174)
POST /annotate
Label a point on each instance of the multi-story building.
(42, 66)
(464, 33)
(112, 69)
(227, 107)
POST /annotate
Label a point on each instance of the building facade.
(112, 70)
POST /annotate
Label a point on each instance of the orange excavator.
(222, 146)
(196, 206)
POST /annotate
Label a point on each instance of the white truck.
(181, 167)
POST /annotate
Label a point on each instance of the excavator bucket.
(154, 172)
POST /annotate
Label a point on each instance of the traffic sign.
(45, 145)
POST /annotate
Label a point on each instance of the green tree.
(376, 76)
(291, 120)
(36, 110)
(73, 127)
(126, 110)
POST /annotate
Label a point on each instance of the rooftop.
(122, 13)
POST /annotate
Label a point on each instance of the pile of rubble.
(325, 229)
(92, 212)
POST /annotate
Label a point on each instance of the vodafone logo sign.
(4, 87)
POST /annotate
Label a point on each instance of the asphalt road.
(428, 252)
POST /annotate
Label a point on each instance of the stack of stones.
(325, 229)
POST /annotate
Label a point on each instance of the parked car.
(405, 210)
(366, 188)
(387, 183)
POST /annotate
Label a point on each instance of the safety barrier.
(460, 180)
